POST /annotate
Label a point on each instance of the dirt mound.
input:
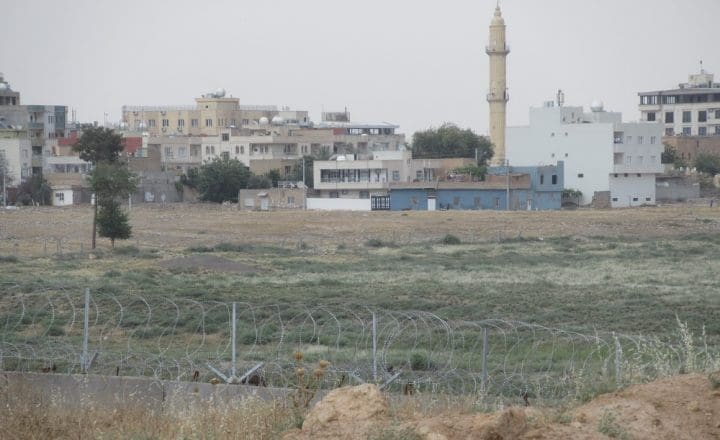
(349, 412)
(207, 262)
(682, 407)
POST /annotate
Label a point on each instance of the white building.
(693, 109)
(601, 153)
(16, 151)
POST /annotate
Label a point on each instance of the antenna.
(701, 67)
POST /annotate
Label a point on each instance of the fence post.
(618, 361)
(232, 366)
(86, 331)
(485, 349)
(374, 347)
(45, 247)
(57, 246)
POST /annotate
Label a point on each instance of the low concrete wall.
(113, 392)
(338, 204)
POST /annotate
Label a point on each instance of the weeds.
(608, 425)
(450, 239)
(9, 259)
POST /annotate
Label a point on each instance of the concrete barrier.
(116, 391)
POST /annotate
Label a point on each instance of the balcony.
(494, 49)
(492, 97)
(35, 125)
(36, 160)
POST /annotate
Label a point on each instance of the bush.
(708, 163)
(420, 362)
(127, 250)
(377, 243)
(8, 259)
(451, 240)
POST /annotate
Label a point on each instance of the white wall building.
(693, 109)
(601, 153)
(16, 150)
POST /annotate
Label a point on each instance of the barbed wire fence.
(177, 338)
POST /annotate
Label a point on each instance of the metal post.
(4, 191)
(232, 366)
(303, 165)
(507, 194)
(86, 330)
(486, 348)
(618, 361)
(374, 348)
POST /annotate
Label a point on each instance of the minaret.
(498, 96)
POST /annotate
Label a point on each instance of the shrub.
(377, 243)
(451, 240)
(8, 259)
(127, 250)
(608, 426)
(420, 362)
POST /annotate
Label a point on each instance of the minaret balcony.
(495, 97)
(496, 49)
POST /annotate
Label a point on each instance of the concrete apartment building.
(359, 177)
(599, 151)
(43, 124)
(211, 113)
(692, 109)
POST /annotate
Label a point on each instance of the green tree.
(451, 141)
(99, 144)
(477, 172)
(34, 190)
(297, 171)
(5, 177)
(221, 179)
(111, 182)
(259, 182)
(708, 163)
(113, 222)
(671, 156)
(274, 176)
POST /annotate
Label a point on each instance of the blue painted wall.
(543, 194)
(408, 199)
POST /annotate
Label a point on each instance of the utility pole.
(507, 192)
(303, 165)
(4, 192)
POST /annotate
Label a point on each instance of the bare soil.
(207, 262)
(681, 407)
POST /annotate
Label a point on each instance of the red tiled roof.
(131, 144)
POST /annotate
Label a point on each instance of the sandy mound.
(349, 412)
(682, 407)
(207, 262)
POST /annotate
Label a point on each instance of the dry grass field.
(178, 226)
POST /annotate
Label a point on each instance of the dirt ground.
(34, 230)
(681, 407)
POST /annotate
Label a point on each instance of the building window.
(717, 129)
(225, 137)
(212, 149)
(639, 160)
(653, 159)
(566, 155)
(639, 175)
(614, 199)
(419, 175)
(669, 99)
(653, 140)
(669, 131)
(686, 131)
(232, 122)
(396, 174)
(60, 197)
(165, 122)
(554, 179)
(635, 199)
(581, 175)
(168, 153)
(717, 114)
(151, 122)
(702, 131)
(208, 122)
(651, 116)
(182, 152)
(702, 116)
(625, 175)
(334, 195)
(669, 117)
(628, 139)
(181, 122)
(648, 199)
(641, 140)
(194, 123)
(207, 149)
(542, 179)
(687, 116)
(242, 149)
(364, 194)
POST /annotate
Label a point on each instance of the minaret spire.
(497, 97)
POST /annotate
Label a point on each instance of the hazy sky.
(415, 63)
